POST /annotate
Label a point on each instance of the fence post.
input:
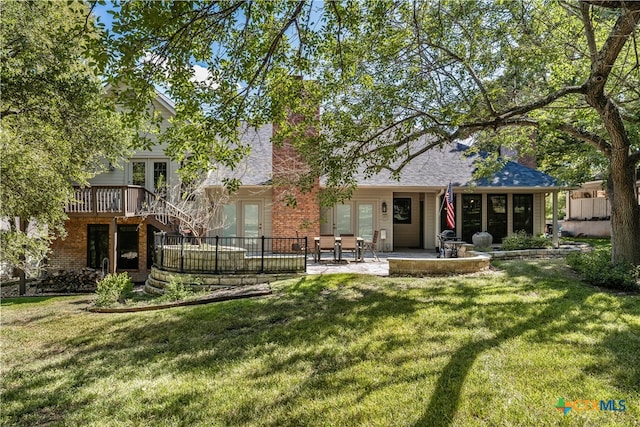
(215, 269)
(262, 256)
(163, 237)
(305, 253)
(181, 254)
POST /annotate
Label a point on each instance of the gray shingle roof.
(255, 169)
(437, 167)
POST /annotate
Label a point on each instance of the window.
(523, 213)
(97, 244)
(402, 211)
(159, 177)
(138, 176)
(127, 247)
(497, 216)
(471, 215)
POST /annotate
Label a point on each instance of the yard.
(498, 348)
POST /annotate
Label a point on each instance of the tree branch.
(542, 101)
(588, 29)
(623, 28)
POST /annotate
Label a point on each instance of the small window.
(402, 211)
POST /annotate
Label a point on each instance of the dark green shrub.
(596, 268)
(113, 288)
(521, 240)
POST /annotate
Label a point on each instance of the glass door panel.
(160, 177)
(343, 220)
(471, 215)
(497, 216)
(127, 247)
(523, 213)
(229, 221)
(365, 221)
(138, 173)
(251, 225)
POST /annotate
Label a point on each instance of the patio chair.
(371, 246)
(349, 242)
(324, 243)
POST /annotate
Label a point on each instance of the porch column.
(554, 224)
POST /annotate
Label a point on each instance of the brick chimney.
(528, 160)
(294, 212)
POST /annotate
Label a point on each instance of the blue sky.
(100, 11)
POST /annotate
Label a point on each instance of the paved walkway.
(370, 265)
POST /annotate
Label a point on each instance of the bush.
(176, 290)
(596, 269)
(521, 240)
(113, 288)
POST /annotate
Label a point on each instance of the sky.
(201, 74)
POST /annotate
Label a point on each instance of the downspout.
(439, 205)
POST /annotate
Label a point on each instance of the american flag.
(451, 215)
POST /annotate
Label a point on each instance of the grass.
(495, 349)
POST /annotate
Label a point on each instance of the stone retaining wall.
(537, 253)
(159, 279)
(471, 263)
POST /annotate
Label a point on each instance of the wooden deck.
(125, 201)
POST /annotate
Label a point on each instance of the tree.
(387, 73)
(58, 128)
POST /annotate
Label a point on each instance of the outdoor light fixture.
(384, 207)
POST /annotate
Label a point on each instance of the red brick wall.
(293, 210)
(71, 253)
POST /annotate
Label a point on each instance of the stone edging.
(536, 253)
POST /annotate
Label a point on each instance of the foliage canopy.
(396, 79)
(58, 129)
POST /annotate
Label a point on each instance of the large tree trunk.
(625, 211)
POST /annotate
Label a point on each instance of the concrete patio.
(369, 266)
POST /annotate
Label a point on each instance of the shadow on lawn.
(312, 312)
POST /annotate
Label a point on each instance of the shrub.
(596, 269)
(521, 240)
(176, 290)
(113, 288)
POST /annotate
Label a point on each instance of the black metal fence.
(229, 255)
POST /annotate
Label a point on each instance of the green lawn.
(497, 349)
